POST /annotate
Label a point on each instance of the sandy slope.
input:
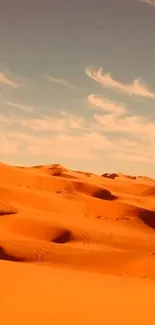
(76, 248)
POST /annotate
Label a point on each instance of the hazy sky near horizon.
(77, 84)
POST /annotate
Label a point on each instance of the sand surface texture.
(76, 248)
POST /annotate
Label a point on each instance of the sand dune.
(69, 233)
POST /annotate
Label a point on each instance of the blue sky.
(77, 84)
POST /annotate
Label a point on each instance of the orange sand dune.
(76, 248)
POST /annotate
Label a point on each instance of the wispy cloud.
(75, 121)
(46, 124)
(59, 81)
(71, 137)
(129, 124)
(9, 147)
(27, 109)
(56, 124)
(106, 104)
(63, 145)
(150, 2)
(135, 88)
(89, 145)
(63, 122)
(22, 138)
(5, 81)
(60, 145)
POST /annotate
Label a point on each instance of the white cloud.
(27, 109)
(150, 2)
(59, 81)
(93, 145)
(135, 88)
(133, 125)
(69, 146)
(62, 145)
(46, 123)
(67, 136)
(75, 137)
(75, 122)
(8, 147)
(55, 123)
(5, 81)
(131, 157)
(105, 104)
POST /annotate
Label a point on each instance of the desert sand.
(76, 248)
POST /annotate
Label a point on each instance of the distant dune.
(74, 245)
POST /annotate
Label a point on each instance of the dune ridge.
(75, 221)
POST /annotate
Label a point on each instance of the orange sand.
(76, 248)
